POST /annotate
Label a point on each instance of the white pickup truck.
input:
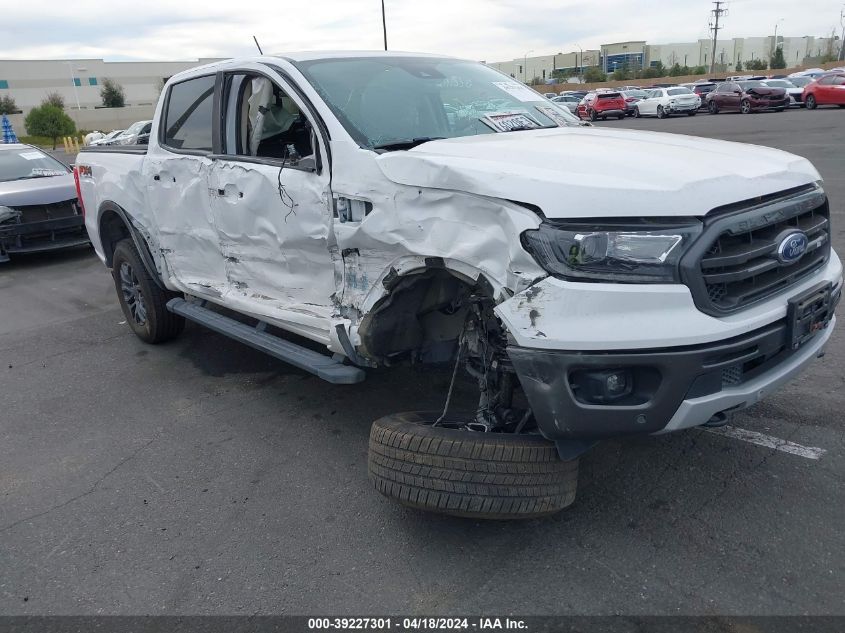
(397, 208)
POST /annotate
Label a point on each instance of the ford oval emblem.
(792, 247)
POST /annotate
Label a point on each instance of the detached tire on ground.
(143, 302)
(467, 473)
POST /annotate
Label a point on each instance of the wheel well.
(421, 318)
(112, 229)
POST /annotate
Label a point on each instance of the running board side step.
(320, 365)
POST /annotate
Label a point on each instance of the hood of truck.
(46, 190)
(578, 172)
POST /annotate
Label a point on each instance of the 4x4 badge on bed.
(792, 247)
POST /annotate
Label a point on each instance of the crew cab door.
(269, 200)
(175, 174)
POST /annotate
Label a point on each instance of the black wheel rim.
(133, 296)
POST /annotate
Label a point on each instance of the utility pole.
(842, 39)
(717, 13)
(384, 24)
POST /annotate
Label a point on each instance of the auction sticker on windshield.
(509, 121)
(518, 91)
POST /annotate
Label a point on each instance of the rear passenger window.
(187, 122)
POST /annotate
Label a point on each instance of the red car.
(826, 90)
(746, 96)
(600, 105)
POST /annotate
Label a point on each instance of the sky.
(489, 30)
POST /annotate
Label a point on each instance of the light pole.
(525, 66)
(775, 46)
(73, 82)
(581, 65)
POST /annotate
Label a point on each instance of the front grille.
(739, 263)
(44, 212)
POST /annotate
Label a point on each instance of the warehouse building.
(797, 51)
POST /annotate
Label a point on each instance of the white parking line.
(761, 439)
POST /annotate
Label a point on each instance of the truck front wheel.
(143, 302)
(450, 470)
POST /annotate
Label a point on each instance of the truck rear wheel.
(468, 473)
(143, 302)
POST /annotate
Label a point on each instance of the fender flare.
(137, 238)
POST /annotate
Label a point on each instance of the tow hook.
(720, 419)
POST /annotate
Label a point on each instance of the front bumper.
(768, 104)
(674, 388)
(45, 235)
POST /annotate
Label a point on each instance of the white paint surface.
(769, 441)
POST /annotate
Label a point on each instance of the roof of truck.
(303, 56)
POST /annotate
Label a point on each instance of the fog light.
(602, 386)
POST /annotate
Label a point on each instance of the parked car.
(664, 102)
(796, 94)
(632, 97)
(108, 139)
(702, 89)
(570, 102)
(812, 73)
(826, 90)
(38, 203)
(574, 93)
(136, 134)
(600, 105)
(746, 97)
(801, 82)
(593, 283)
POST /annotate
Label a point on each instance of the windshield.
(135, 128)
(674, 92)
(800, 82)
(385, 100)
(748, 85)
(28, 162)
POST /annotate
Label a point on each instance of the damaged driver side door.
(269, 191)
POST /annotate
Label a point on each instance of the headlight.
(648, 251)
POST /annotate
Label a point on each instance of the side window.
(263, 121)
(187, 121)
(826, 81)
(838, 80)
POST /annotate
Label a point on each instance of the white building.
(79, 81)
(797, 51)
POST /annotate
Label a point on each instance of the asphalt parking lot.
(201, 477)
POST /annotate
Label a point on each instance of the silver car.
(570, 102)
(39, 210)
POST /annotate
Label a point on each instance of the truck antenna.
(260, 52)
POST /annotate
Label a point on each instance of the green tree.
(738, 67)
(777, 59)
(54, 99)
(675, 70)
(594, 75)
(699, 70)
(50, 121)
(756, 64)
(112, 94)
(8, 105)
